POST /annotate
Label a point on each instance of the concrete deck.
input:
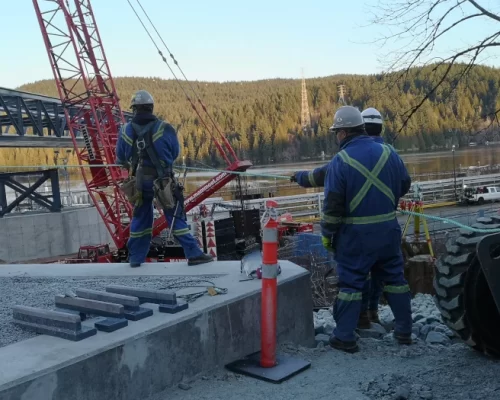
(149, 355)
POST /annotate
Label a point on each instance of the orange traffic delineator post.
(269, 306)
(266, 364)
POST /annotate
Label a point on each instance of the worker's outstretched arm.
(334, 205)
(124, 146)
(167, 144)
(314, 178)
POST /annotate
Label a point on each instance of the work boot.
(203, 259)
(373, 316)
(364, 321)
(135, 264)
(403, 338)
(348, 347)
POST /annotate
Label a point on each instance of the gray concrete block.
(173, 308)
(90, 306)
(129, 302)
(145, 295)
(82, 315)
(53, 323)
(111, 324)
(47, 317)
(141, 313)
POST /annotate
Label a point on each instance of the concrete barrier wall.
(31, 236)
(159, 351)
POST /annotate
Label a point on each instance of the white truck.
(481, 194)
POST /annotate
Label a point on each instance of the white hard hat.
(372, 116)
(141, 98)
(347, 117)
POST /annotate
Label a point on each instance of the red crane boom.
(83, 79)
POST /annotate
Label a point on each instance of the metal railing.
(309, 205)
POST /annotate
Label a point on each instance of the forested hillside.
(262, 119)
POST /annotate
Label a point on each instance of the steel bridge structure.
(34, 120)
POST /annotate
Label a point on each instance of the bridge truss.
(34, 120)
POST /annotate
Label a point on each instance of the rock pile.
(427, 323)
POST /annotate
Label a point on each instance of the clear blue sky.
(216, 40)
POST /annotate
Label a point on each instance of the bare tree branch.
(421, 25)
(484, 10)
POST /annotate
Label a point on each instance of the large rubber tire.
(463, 295)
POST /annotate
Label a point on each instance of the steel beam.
(31, 141)
(20, 111)
(52, 202)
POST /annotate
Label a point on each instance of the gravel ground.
(435, 367)
(40, 292)
(382, 370)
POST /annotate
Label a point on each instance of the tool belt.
(130, 190)
(164, 190)
(165, 186)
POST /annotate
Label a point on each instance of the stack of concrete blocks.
(118, 305)
(28, 237)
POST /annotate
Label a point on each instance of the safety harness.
(164, 183)
(143, 145)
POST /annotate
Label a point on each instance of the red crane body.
(74, 47)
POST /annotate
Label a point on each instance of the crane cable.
(226, 142)
(193, 106)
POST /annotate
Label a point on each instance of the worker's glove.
(293, 178)
(327, 243)
(123, 164)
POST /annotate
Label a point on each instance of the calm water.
(422, 163)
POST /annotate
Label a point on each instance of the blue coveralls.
(167, 147)
(363, 185)
(316, 178)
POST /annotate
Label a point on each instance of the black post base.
(286, 368)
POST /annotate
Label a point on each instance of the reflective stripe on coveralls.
(349, 301)
(141, 229)
(371, 178)
(310, 176)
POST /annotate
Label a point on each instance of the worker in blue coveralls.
(363, 184)
(150, 157)
(316, 178)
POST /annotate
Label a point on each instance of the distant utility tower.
(305, 117)
(342, 94)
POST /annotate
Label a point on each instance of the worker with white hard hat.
(363, 185)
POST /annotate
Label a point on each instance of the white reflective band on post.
(270, 271)
(270, 235)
